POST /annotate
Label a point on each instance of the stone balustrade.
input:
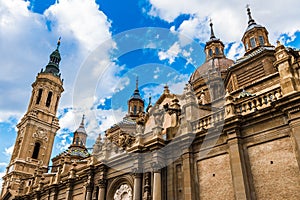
(208, 121)
(259, 102)
(242, 106)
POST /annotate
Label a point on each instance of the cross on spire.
(58, 43)
(212, 34)
(251, 20)
(82, 120)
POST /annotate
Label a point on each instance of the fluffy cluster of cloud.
(30, 37)
(229, 18)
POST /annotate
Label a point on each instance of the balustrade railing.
(242, 107)
(259, 102)
(208, 121)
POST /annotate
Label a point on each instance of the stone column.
(156, 181)
(187, 177)
(95, 193)
(69, 191)
(88, 192)
(53, 193)
(102, 189)
(137, 186)
(295, 133)
(157, 185)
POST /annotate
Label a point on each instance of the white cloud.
(82, 19)
(229, 17)
(97, 121)
(8, 151)
(236, 51)
(170, 54)
(26, 37)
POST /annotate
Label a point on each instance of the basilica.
(233, 133)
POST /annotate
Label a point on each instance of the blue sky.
(106, 44)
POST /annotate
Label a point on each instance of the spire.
(53, 65)
(136, 93)
(137, 83)
(58, 43)
(149, 104)
(212, 35)
(150, 99)
(82, 121)
(81, 128)
(251, 20)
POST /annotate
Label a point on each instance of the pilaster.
(238, 165)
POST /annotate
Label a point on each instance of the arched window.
(252, 42)
(48, 101)
(56, 104)
(217, 51)
(134, 109)
(261, 40)
(36, 150)
(38, 99)
(210, 52)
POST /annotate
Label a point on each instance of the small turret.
(255, 35)
(135, 103)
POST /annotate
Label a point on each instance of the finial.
(278, 43)
(166, 89)
(58, 43)
(212, 35)
(150, 99)
(251, 20)
(82, 121)
(137, 83)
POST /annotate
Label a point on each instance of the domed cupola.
(53, 65)
(209, 73)
(255, 35)
(215, 58)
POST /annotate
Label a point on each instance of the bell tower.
(37, 129)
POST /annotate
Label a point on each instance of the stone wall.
(275, 170)
(215, 179)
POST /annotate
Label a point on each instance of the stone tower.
(135, 103)
(37, 129)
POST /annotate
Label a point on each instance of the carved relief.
(141, 121)
(125, 140)
(124, 192)
(40, 134)
(158, 116)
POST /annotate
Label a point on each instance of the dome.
(219, 64)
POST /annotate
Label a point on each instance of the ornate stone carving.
(124, 192)
(147, 187)
(40, 134)
(102, 183)
(97, 148)
(158, 116)
(141, 121)
(125, 140)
